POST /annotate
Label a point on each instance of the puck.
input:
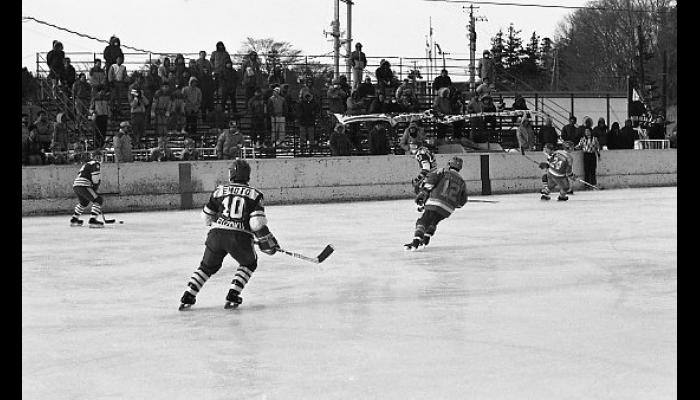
(121, 222)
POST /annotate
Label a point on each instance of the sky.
(384, 27)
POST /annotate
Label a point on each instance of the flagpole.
(431, 44)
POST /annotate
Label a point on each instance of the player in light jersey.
(85, 186)
(426, 161)
(236, 215)
(559, 169)
(442, 192)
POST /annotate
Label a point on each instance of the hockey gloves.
(544, 165)
(422, 197)
(266, 241)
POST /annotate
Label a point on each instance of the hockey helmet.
(455, 163)
(239, 171)
(567, 145)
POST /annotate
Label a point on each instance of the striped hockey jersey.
(447, 191)
(232, 207)
(88, 175)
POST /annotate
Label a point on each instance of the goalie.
(442, 191)
(236, 215)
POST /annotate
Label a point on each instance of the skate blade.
(184, 307)
(96, 226)
(230, 306)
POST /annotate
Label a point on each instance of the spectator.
(406, 96)
(378, 104)
(189, 151)
(378, 140)
(343, 82)
(62, 139)
(219, 57)
(526, 135)
(442, 107)
(178, 112)
(307, 87)
(587, 124)
(591, 148)
(628, 135)
(26, 142)
(519, 103)
(218, 119)
(44, 130)
(337, 99)
(180, 68)
(570, 132)
(476, 123)
(193, 103)
(385, 76)
(358, 61)
(160, 110)
(485, 89)
(229, 143)
(457, 106)
(228, 81)
(614, 136)
(258, 112)
(441, 81)
(488, 107)
(69, 74)
(193, 70)
(487, 68)
(276, 76)
(412, 138)
(252, 74)
(549, 133)
(164, 70)
(112, 52)
(55, 62)
(122, 143)
(355, 106)
(98, 76)
(673, 137)
(339, 142)
(100, 111)
(206, 84)
(307, 111)
(277, 108)
(203, 63)
(138, 103)
(657, 129)
(161, 152)
(601, 132)
(81, 97)
(366, 89)
(151, 85)
(117, 78)
(34, 153)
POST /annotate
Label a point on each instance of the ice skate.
(76, 222)
(562, 198)
(94, 223)
(233, 300)
(426, 240)
(544, 197)
(413, 246)
(186, 301)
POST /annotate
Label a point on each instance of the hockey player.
(236, 215)
(426, 161)
(559, 170)
(442, 192)
(85, 187)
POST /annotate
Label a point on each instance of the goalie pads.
(266, 241)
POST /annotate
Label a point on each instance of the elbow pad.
(208, 219)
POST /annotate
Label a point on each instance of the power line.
(502, 3)
(25, 19)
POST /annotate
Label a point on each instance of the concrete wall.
(172, 185)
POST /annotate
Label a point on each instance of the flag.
(635, 95)
(427, 47)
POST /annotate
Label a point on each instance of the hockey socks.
(243, 275)
(194, 285)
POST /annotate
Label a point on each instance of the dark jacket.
(378, 141)
(627, 137)
(54, 60)
(340, 144)
(112, 51)
(229, 79)
(570, 132)
(307, 110)
(549, 135)
(441, 82)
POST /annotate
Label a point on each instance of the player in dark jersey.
(85, 187)
(236, 215)
(442, 192)
(559, 170)
(426, 161)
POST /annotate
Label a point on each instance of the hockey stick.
(317, 260)
(108, 221)
(587, 184)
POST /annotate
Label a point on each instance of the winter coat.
(340, 144)
(441, 82)
(117, 73)
(256, 106)
(97, 77)
(229, 79)
(336, 100)
(193, 96)
(81, 90)
(219, 58)
(365, 89)
(100, 104)
(441, 104)
(252, 77)
(122, 147)
(277, 106)
(406, 141)
(307, 110)
(54, 60)
(112, 51)
(549, 134)
(229, 143)
(44, 131)
(526, 136)
(378, 141)
(161, 102)
(61, 138)
(570, 133)
(627, 137)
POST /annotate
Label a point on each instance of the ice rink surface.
(522, 299)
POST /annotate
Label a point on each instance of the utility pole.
(348, 40)
(472, 44)
(336, 37)
(641, 57)
(663, 86)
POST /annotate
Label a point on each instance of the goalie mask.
(239, 172)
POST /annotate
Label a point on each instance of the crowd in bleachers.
(172, 109)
